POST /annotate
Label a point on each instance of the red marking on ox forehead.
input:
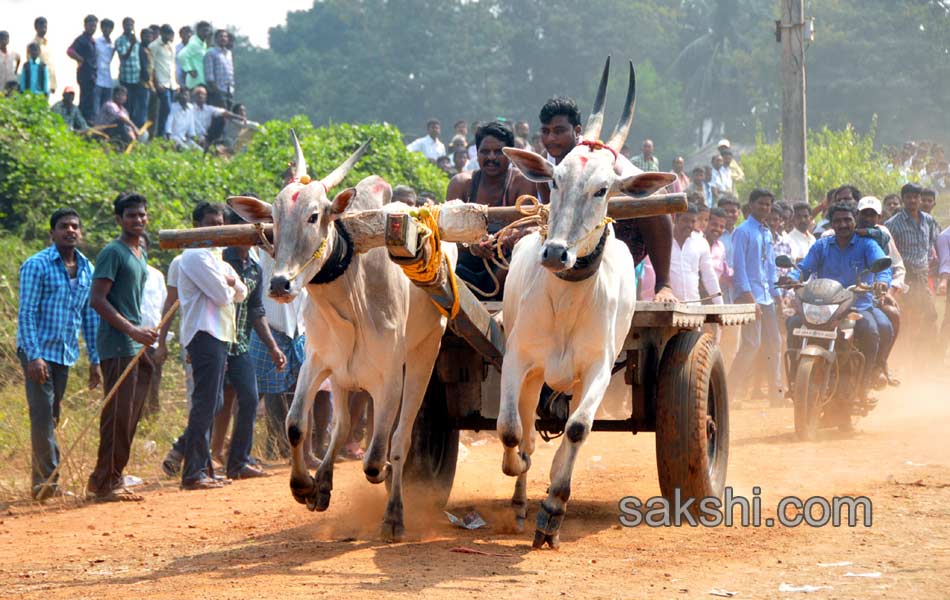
(378, 188)
(294, 197)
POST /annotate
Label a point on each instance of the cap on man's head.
(870, 202)
(69, 90)
(723, 143)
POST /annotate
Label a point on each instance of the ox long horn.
(333, 179)
(300, 163)
(595, 121)
(619, 136)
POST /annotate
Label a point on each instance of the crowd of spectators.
(183, 92)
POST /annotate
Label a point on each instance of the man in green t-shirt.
(116, 294)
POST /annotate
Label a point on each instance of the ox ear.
(534, 167)
(252, 210)
(342, 200)
(644, 184)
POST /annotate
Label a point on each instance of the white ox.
(364, 319)
(569, 300)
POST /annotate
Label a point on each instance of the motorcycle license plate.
(815, 333)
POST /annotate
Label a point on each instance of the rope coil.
(426, 272)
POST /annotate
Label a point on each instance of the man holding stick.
(116, 294)
(54, 306)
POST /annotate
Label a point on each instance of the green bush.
(44, 166)
(835, 158)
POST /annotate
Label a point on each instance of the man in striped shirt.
(54, 306)
(915, 233)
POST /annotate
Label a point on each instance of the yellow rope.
(318, 253)
(426, 272)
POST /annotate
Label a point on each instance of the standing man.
(192, 56)
(430, 145)
(208, 289)
(34, 77)
(83, 51)
(153, 302)
(163, 58)
(40, 26)
(146, 73)
(915, 233)
(943, 256)
(652, 236)
(130, 69)
(9, 61)
(717, 250)
(646, 161)
(682, 179)
(116, 294)
(219, 72)
(54, 307)
(105, 51)
(721, 180)
(495, 183)
(691, 260)
(800, 238)
(753, 282)
(240, 376)
(698, 185)
(184, 35)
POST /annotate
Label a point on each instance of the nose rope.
(316, 255)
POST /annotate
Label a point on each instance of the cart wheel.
(430, 467)
(692, 418)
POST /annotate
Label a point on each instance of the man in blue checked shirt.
(753, 282)
(54, 306)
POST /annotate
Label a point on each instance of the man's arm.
(90, 326)
(124, 46)
(263, 331)
(708, 275)
(31, 279)
(657, 234)
(740, 276)
(210, 79)
(873, 253)
(162, 351)
(807, 266)
(98, 300)
(71, 52)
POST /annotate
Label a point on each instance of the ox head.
(303, 216)
(585, 180)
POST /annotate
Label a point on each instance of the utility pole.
(790, 31)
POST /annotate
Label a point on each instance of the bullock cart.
(669, 378)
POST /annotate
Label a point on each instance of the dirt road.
(252, 540)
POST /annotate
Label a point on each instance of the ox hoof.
(303, 490)
(320, 501)
(514, 465)
(374, 475)
(549, 521)
(392, 531)
(521, 515)
(551, 539)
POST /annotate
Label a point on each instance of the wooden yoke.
(462, 222)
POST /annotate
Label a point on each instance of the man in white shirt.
(208, 287)
(105, 52)
(180, 125)
(429, 145)
(205, 114)
(721, 180)
(163, 61)
(800, 238)
(690, 260)
(154, 295)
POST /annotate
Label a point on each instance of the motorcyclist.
(843, 257)
(868, 225)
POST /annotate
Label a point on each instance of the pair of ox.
(568, 305)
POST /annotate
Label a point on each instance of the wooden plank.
(458, 222)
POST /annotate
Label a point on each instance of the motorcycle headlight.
(819, 314)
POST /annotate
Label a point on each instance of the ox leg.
(551, 514)
(418, 372)
(311, 375)
(320, 499)
(510, 425)
(528, 404)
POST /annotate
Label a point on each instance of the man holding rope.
(116, 294)
(54, 306)
(495, 183)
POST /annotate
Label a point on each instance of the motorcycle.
(827, 373)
